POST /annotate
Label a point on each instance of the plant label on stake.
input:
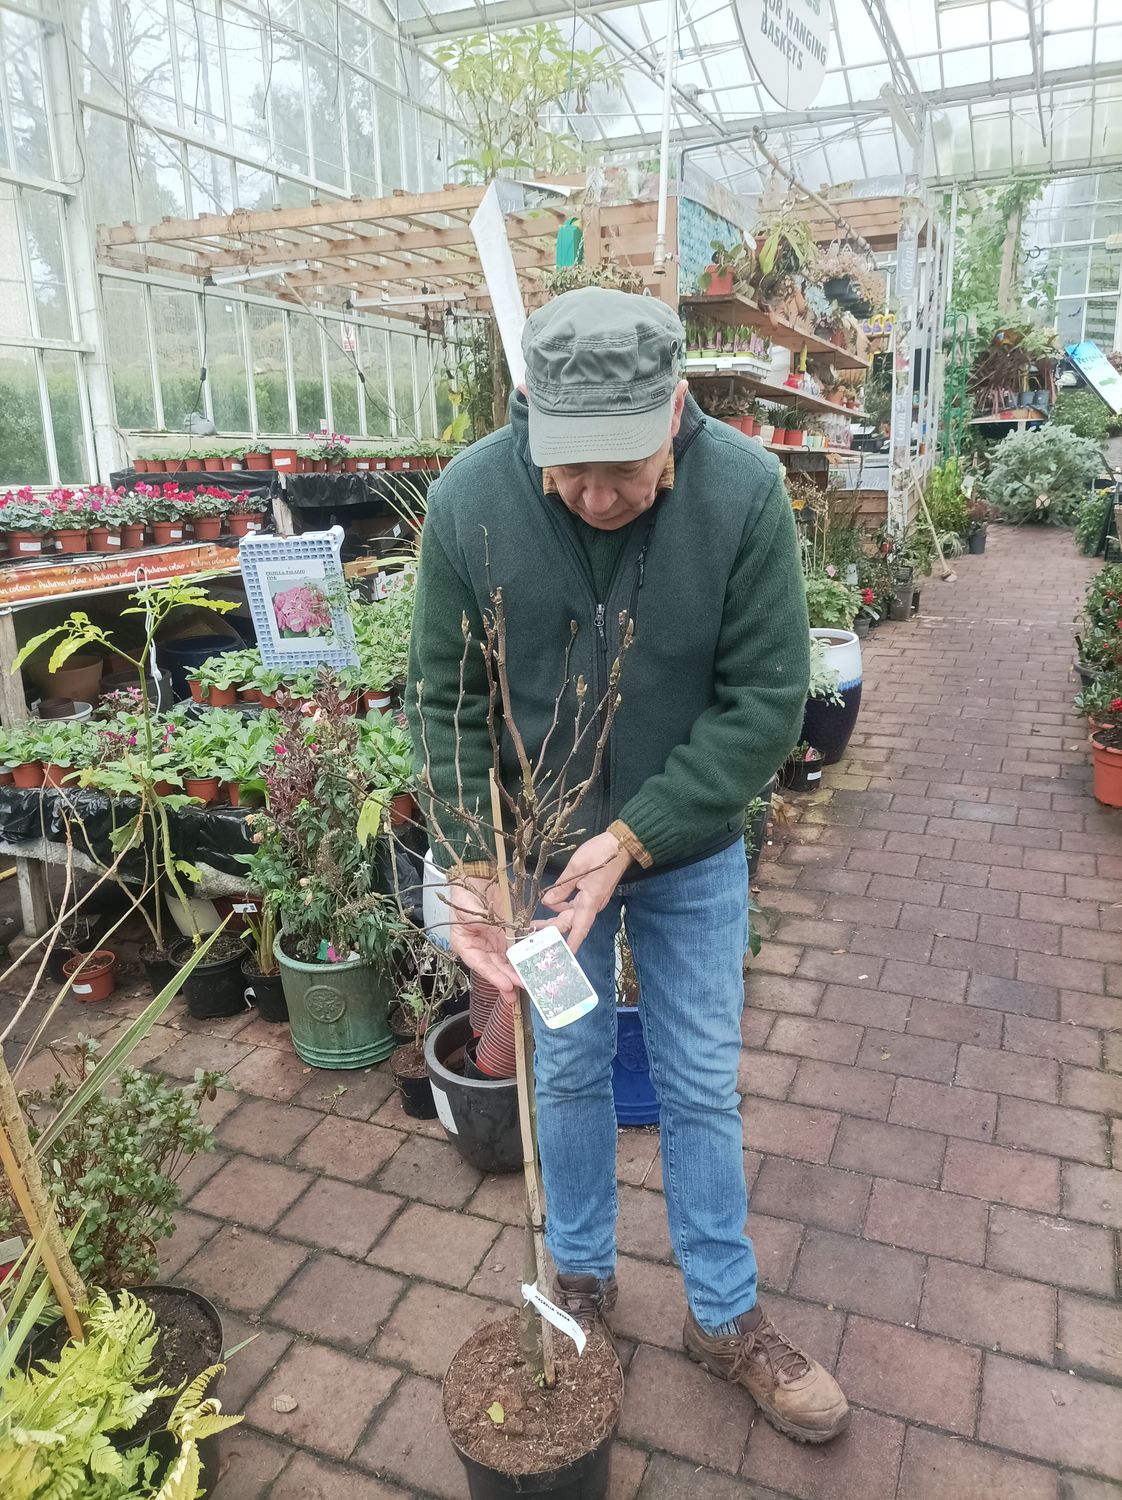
(552, 978)
(555, 1315)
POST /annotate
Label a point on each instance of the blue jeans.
(688, 932)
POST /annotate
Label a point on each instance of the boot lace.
(765, 1341)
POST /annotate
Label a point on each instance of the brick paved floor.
(933, 1082)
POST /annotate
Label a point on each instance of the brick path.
(933, 1079)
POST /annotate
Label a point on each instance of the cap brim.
(606, 439)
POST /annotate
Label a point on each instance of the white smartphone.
(551, 976)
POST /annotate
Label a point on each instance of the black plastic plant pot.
(215, 987)
(480, 1115)
(977, 544)
(586, 1478)
(416, 1097)
(49, 1342)
(266, 992)
(803, 775)
(1087, 675)
(158, 969)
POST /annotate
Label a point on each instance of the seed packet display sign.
(298, 598)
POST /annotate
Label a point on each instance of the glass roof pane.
(1065, 13)
(972, 66)
(859, 42)
(1069, 49)
(1008, 21)
(965, 26)
(833, 91)
(915, 26)
(1108, 44)
(1012, 59)
(991, 141)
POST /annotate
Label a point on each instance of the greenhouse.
(560, 749)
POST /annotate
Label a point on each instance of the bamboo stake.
(43, 1228)
(523, 1058)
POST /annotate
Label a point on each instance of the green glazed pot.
(337, 1011)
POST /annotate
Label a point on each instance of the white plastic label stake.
(814, 775)
(244, 907)
(553, 1314)
(113, 541)
(82, 989)
(444, 1110)
(31, 546)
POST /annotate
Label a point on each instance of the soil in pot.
(413, 1086)
(265, 991)
(551, 1442)
(214, 987)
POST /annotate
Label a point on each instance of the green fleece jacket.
(713, 687)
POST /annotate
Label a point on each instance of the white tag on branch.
(553, 1314)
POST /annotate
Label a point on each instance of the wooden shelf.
(737, 311)
(72, 574)
(772, 391)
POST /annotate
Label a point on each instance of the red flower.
(867, 596)
(1116, 705)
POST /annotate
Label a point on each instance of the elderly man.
(609, 495)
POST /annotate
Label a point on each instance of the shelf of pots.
(737, 310)
(322, 453)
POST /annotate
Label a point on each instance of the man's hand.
(477, 935)
(586, 886)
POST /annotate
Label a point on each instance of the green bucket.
(337, 1011)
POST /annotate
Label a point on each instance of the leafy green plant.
(505, 86)
(946, 499)
(65, 1424)
(1096, 701)
(1041, 476)
(112, 1171)
(1090, 519)
(247, 751)
(1085, 412)
(823, 676)
(785, 247)
(831, 604)
(261, 935)
(739, 259)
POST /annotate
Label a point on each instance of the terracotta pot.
(68, 540)
(162, 788)
(55, 775)
(395, 465)
(402, 809)
(779, 435)
(96, 981)
(363, 465)
(350, 465)
(335, 465)
(166, 533)
(795, 439)
(245, 525)
(207, 528)
(380, 703)
(267, 700)
(248, 695)
(197, 689)
(1107, 762)
(29, 775)
(193, 465)
(6, 777)
(140, 466)
(720, 282)
(221, 697)
(213, 465)
(259, 461)
(132, 538)
(160, 466)
(25, 544)
(233, 465)
(103, 539)
(285, 460)
(316, 465)
(205, 788)
(63, 708)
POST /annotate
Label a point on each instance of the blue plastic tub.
(636, 1100)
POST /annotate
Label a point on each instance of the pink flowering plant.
(302, 610)
(246, 503)
(209, 501)
(22, 510)
(331, 447)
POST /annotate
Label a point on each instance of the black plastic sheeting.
(332, 492)
(189, 479)
(214, 836)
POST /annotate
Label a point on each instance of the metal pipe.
(664, 147)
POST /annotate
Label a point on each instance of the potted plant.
(784, 248)
(834, 695)
(246, 513)
(25, 520)
(802, 770)
(1041, 476)
(729, 270)
(259, 455)
(212, 458)
(1106, 753)
(260, 968)
(432, 979)
(70, 520)
(215, 680)
(977, 513)
(206, 511)
(246, 753)
(795, 429)
(320, 857)
(285, 459)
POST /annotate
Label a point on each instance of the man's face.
(609, 495)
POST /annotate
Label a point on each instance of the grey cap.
(601, 371)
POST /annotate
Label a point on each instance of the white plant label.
(444, 1110)
(244, 907)
(814, 775)
(31, 546)
(176, 534)
(113, 541)
(82, 989)
(553, 1314)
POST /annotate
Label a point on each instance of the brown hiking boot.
(587, 1300)
(794, 1392)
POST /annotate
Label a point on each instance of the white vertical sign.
(488, 229)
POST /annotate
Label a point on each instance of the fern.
(57, 1420)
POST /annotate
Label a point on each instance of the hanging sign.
(1098, 372)
(788, 42)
